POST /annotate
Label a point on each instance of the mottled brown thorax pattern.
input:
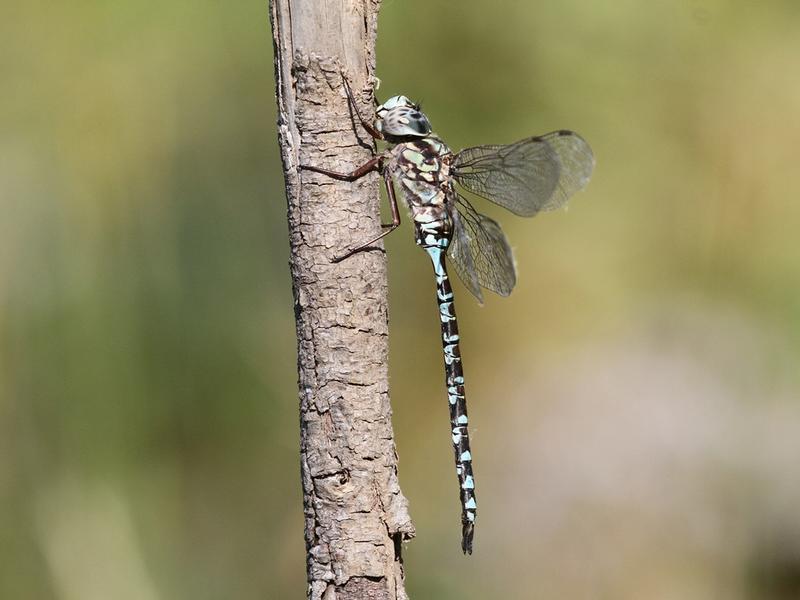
(421, 169)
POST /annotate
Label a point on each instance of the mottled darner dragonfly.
(535, 174)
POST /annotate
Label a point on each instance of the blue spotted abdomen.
(436, 247)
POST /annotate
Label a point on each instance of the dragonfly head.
(399, 117)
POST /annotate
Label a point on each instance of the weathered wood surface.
(355, 514)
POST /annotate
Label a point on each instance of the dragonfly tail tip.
(467, 532)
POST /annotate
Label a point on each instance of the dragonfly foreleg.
(369, 127)
(387, 180)
(374, 164)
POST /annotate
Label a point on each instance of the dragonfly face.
(400, 118)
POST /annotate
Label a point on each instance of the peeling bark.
(355, 514)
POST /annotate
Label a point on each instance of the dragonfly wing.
(535, 174)
(460, 254)
(480, 252)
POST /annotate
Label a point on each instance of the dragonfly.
(530, 176)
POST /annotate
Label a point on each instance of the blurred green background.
(634, 403)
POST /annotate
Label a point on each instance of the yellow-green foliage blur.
(635, 403)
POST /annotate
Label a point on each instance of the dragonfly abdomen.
(435, 244)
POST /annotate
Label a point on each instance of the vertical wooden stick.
(355, 514)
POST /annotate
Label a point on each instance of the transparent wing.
(460, 254)
(535, 174)
(480, 252)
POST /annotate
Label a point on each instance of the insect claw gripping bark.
(535, 174)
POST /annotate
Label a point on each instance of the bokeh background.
(634, 403)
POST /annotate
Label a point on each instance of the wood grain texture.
(355, 514)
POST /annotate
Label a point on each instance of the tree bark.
(355, 514)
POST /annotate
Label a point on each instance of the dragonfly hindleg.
(387, 180)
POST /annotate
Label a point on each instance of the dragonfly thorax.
(421, 170)
(398, 117)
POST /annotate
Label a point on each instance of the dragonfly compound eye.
(420, 123)
(399, 117)
(405, 122)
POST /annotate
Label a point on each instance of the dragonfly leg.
(369, 127)
(387, 180)
(374, 164)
